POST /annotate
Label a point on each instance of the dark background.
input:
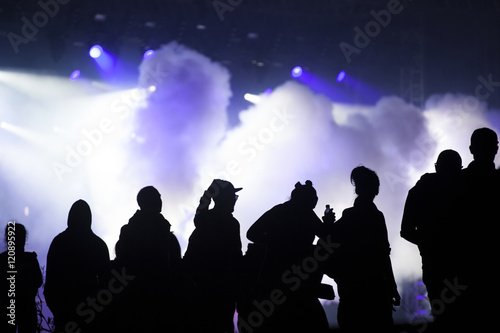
(430, 47)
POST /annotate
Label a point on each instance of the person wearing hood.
(150, 252)
(77, 268)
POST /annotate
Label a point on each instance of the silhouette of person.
(151, 254)
(288, 231)
(213, 260)
(20, 279)
(476, 214)
(428, 222)
(77, 268)
(362, 265)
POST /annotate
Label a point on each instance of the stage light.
(252, 35)
(3, 124)
(75, 75)
(148, 54)
(341, 76)
(104, 60)
(95, 51)
(152, 88)
(100, 17)
(252, 98)
(297, 72)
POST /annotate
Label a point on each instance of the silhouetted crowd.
(451, 215)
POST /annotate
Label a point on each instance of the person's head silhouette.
(224, 194)
(448, 162)
(304, 195)
(149, 199)
(80, 217)
(366, 182)
(483, 145)
(17, 233)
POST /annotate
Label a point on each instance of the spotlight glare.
(297, 72)
(75, 75)
(148, 54)
(252, 98)
(341, 76)
(152, 88)
(95, 51)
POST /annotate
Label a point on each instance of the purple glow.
(75, 75)
(297, 72)
(104, 60)
(96, 51)
(148, 54)
(341, 76)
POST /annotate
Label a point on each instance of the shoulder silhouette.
(146, 242)
(216, 240)
(428, 204)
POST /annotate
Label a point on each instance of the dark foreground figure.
(77, 268)
(451, 215)
(283, 278)
(213, 261)
(430, 223)
(150, 255)
(361, 265)
(27, 280)
(477, 215)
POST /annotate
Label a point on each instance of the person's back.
(477, 217)
(150, 253)
(429, 221)
(479, 181)
(427, 210)
(361, 264)
(215, 243)
(362, 235)
(21, 270)
(478, 200)
(287, 232)
(213, 260)
(77, 268)
(146, 244)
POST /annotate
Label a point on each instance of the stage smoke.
(176, 138)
